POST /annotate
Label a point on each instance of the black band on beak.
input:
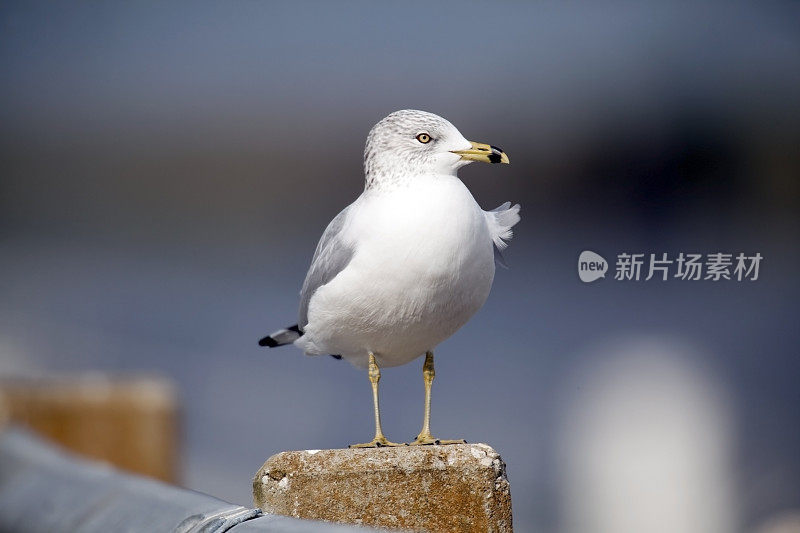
(496, 155)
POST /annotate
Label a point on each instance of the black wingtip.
(268, 341)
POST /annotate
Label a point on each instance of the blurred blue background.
(167, 169)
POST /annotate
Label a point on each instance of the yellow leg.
(425, 437)
(380, 439)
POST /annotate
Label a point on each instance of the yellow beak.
(485, 153)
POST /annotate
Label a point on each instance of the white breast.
(423, 266)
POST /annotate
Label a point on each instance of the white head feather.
(394, 152)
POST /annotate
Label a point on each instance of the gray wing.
(332, 255)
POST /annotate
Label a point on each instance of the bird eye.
(424, 138)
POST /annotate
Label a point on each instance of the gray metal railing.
(43, 489)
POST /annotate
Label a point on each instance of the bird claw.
(377, 442)
(429, 440)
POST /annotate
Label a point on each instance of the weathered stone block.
(453, 488)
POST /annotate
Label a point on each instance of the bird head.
(412, 143)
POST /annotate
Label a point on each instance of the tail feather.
(281, 337)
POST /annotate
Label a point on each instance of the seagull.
(408, 263)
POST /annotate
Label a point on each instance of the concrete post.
(453, 488)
